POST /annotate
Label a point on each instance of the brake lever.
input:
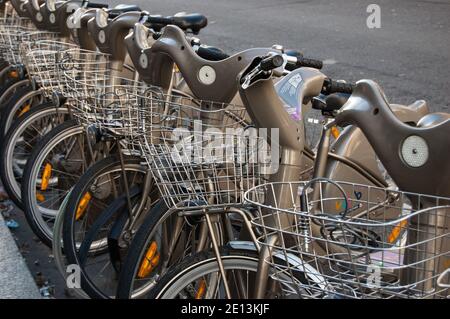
(247, 80)
(277, 71)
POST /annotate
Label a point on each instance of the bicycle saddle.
(122, 8)
(336, 100)
(192, 21)
(416, 157)
(330, 103)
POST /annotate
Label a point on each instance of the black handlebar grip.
(341, 87)
(211, 53)
(310, 63)
(92, 5)
(271, 63)
(331, 86)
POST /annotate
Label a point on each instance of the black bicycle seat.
(336, 101)
(192, 21)
(211, 53)
(122, 8)
(294, 53)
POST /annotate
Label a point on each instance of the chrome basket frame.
(355, 253)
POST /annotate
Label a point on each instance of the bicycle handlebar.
(271, 63)
(300, 61)
(331, 86)
(310, 63)
(92, 5)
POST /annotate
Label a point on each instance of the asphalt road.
(409, 55)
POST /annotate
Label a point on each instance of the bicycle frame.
(268, 109)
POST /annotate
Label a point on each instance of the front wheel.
(199, 277)
(22, 101)
(18, 144)
(163, 240)
(54, 166)
(96, 221)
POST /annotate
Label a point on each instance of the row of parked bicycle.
(165, 168)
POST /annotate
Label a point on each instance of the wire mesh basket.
(81, 69)
(105, 102)
(352, 254)
(43, 60)
(96, 95)
(14, 39)
(200, 153)
(8, 21)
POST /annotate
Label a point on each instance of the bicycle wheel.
(22, 101)
(18, 144)
(54, 166)
(58, 253)
(164, 239)
(199, 277)
(8, 92)
(95, 231)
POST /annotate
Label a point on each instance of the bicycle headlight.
(74, 21)
(141, 34)
(35, 4)
(101, 18)
(51, 5)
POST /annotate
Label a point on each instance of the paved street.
(409, 55)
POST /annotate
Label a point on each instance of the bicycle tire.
(192, 267)
(7, 147)
(28, 188)
(100, 168)
(58, 252)
(9, 111)
(9, 91)
(140, 244)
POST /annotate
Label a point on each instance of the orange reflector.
(25, 109)
(335, 132)
(13, 74)
(155, 261)
(396, 231)
(201, 290)
(46, 174)
(447, 263)
(40, 197)
(150, 261)
(83, 205)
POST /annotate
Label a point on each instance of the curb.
(16, 281)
